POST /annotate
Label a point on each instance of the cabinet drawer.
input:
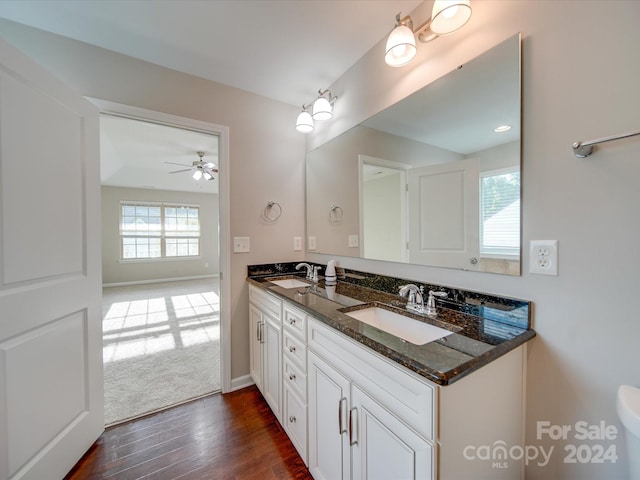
(266, 302)
(295, 321)
(295, 421)
(397, 389)
(295, 379)
(295, 350)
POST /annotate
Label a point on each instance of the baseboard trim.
(158, 280)
(241, 382)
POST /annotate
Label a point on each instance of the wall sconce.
(447, 16)
(322, 109)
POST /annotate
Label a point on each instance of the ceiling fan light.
(448, 16)
(401, 46)
(197, 175)
(207, 175)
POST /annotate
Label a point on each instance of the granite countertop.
(476, 340)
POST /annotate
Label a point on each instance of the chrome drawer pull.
(292, 419)
(292, 349)
(292, 376)
(340, 427)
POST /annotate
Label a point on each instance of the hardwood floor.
(228, 437)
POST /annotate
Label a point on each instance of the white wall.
(581, 71)
(116, 271)
(266, 157)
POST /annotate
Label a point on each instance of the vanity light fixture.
(322, 109)
(323, 106)
(447, 16)
(304, 123)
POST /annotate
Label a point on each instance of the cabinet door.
(382, 446)
(255, 344)
(329, 455)
(272, 365)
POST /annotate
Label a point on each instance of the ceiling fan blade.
(181, 164)
(178, 171)
(209, 165)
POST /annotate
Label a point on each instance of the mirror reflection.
(432, 180)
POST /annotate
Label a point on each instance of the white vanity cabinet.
(359, 408)
(265, 353)
(369, 418)
(352, 413)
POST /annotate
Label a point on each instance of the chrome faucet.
(431, 309)
(415, 297)
(309, 269)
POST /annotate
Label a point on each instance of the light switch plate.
(241, 245)
(297, 244)
(311, 243)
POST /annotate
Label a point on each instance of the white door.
(444, 215)
(329, 454)
(256, 336)
(272, 365)
(51, 392)
(383, 446)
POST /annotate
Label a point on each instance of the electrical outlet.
(241, 245)
(353, 241)
(543, 257)
(311, 243)
(297, 244)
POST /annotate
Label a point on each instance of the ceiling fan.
(200, 168)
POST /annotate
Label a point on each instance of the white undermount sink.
(290, 283)
(402, 326)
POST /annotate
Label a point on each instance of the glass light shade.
(322, 109)
(448, 16)
(401, 46)
(197, 175)
(304, 123)
(207, 176)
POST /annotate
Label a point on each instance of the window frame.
(163, 234)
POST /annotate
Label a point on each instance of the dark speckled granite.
(485, 326)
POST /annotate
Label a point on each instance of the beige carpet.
(161, 346)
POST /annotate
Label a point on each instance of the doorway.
(174, 292)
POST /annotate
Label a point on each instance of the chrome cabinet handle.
(292, 321)
(261, 332)
(341, 429)
(351, 428)
(292, 376)
(292, 349)
(292, 419)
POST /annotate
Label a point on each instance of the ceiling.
(139, 154)
(298, 47)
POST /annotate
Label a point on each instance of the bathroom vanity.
(360, 402)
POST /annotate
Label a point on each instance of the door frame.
(136, 113)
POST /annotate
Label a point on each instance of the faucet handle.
(431, 309)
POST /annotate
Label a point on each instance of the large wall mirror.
(432, 180)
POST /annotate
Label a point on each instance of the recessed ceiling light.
(502, 128)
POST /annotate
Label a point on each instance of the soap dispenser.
(330, 273)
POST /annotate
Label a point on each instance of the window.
(500, 213)
(149, 231)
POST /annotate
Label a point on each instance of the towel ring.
(268, 214)
(335, 214)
